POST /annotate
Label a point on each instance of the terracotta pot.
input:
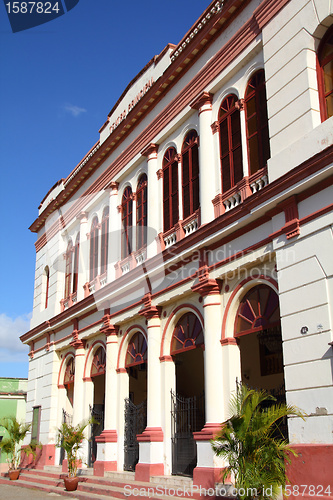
(14, 474)
(71, 483)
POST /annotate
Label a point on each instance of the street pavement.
(9, 492)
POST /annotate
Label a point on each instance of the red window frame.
(137, 350)
(105, 240)
(68, 270)
(69, 377)
(257, 122)
(126, 222)
(325, 86)
(141, 212)
(187, 335)
(98, 363)
(94, 249)
(76, 263)
(190, 174)
(170, 189)
(230, 143)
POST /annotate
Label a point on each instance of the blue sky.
(58, 83)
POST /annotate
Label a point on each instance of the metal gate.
(66, 419)
(97, 412)
(135, 423)
(187, 416)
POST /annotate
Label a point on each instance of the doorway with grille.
(97, 374)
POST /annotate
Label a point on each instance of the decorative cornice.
(215, 127)
(150, 151)
(204, 99)
(159, 174)
(149, 311)
(108, 328)
(206, 286)
(113, 186)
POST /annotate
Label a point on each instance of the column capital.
(108, 328)
(113, 186)
(206, 286)
(82, 216)
(149, 311)
(204, 99)
(150, 151)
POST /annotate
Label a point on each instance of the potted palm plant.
(11, 443)
(255, 450)
(70, 438)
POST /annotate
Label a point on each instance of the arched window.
(187, 335)
(230, 143)
(325, 75)
(94, 249)
(141, 212)
(136, 351)
(105, 240)
(76, 263)
(46, 285)
(257, 122)
(69, 379)
(170, 189)
(126, 222)
(190, 174)
(98, 362)
(68, 270)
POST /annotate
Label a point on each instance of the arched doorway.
(258, 334)
(67, 411)
(136, 403)
(188, 404)
(97, 374)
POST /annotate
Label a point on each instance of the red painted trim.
(228, 341)
(208, 432)
(207, 477)
(267, 279)
(151, 435)
(107, 436)
(144, 471)
(100, 467)
(164, 359)
(133, 327)
(187, 307)
(92, 347)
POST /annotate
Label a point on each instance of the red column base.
(100, 467)
(207, 477)
(64, 467)
(45, 456)
(144, 471)
(312, 468)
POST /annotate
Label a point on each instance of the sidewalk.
(9, 492)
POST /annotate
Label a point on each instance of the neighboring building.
(13, 397)
(192, 247)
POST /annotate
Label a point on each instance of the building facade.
(191, 250)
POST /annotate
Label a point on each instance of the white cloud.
(74, 110)
(11, 348)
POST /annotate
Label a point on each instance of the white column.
(83, 255)
(151, 456)
(208, 470)
(203, 104)
(107, 441)
(154, 199)
(246, 163)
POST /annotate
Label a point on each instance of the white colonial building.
(191, 248)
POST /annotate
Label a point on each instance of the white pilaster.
(154, 201)
(83, 255)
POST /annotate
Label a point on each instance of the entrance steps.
(114, 486)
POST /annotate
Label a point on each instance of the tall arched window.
(98, 363)
(257, 122)
(76, 263)
(325, 75)
(46, 279)
(170, 189)
(230, 143)
(190, 174)
(141, 212)
(105, 240)
(68, 270)
(126, 222)
(94, 249)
